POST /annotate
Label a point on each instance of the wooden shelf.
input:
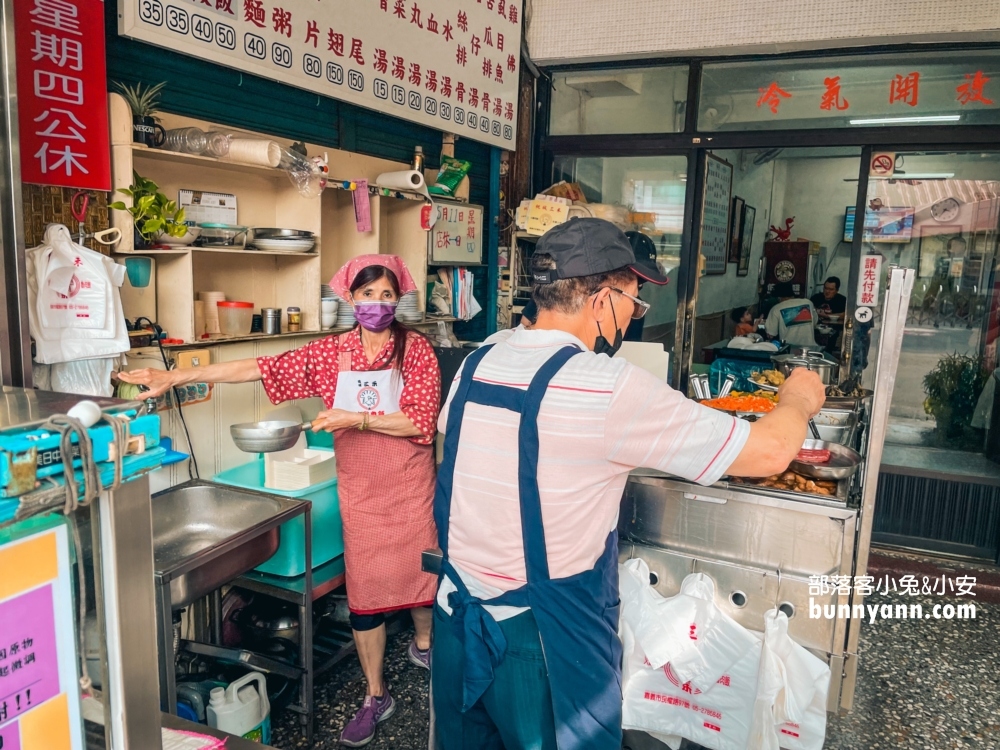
(195, 161)
(216, 340)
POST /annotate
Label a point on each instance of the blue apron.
(577, 616)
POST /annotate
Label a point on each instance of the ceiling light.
(906, 120)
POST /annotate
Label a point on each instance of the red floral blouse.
(312, 370)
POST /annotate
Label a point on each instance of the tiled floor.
(927, 684)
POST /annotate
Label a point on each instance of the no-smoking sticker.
(883, 164)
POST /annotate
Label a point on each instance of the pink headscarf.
(342, 280)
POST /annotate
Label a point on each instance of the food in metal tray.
(813, 456)
(768, 377)
(792, 481)
(741, 402)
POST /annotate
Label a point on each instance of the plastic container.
(327, 528)
(242, 709)
(235, 318)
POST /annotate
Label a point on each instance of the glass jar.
(294, 319)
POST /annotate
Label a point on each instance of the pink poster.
(10, 737)
(29, 664)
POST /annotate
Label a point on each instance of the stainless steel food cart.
(762, 545)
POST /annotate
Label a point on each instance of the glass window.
(938, 214)
(628, 100)
(961, 88)
(647, 195)
(782, 212)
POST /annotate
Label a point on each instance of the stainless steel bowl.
(272, 233)
(267, 437)
(826, 369)
(843, 461)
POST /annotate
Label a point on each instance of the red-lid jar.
(235, 318)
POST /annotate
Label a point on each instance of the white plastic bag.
(688, 630)
(86, 377)
(74, 307)
(800, 709)
(705, 689)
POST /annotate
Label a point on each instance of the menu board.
(449, 64)
(457, 236)
(39, 692)
(714, 236)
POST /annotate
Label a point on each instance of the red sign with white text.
(62, 93)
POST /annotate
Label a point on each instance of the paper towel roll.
(254, 151)
(409, 179)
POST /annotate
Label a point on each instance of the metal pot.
(815, 361)
(273, 233)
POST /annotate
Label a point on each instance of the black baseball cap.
(586, 246)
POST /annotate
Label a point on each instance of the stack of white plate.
(326, 292)
(212, 300)
(283, 245)
(407, 310)
(345, 315)
(275, 240)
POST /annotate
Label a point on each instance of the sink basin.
(207, 534)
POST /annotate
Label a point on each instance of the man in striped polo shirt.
(541, 428)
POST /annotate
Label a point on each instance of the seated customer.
(793, 319)
(743, 318)
(830, 304)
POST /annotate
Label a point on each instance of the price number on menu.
(312, 66)
(380, 88)
(177, 20)
(334, 73)
(202, 29)
(255, 46)
(459, 116)
(430, 106)
(151, 12)
(281, 55)
(473, 120)
(355, 80)
(415, 100)
(445, 111)
(225, 36)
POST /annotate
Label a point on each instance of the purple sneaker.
(419, 656)
(361, 729)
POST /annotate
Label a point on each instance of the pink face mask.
(375, 316)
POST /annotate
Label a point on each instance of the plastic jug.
(242, 709)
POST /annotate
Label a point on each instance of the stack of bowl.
(212, 300)
(329, 303)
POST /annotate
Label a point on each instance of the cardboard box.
(193, 358)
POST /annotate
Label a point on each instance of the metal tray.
(844, 461)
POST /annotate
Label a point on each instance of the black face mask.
(601, 345)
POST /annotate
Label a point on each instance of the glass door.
(938, 213)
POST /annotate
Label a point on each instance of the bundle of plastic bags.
(74, 314)
(691, 671)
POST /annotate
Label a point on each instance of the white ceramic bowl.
(189, 236)
(329, 306)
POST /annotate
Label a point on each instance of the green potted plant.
(952, 389)
(144, 101)
(152, 212)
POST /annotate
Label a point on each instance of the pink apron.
(386, 487)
